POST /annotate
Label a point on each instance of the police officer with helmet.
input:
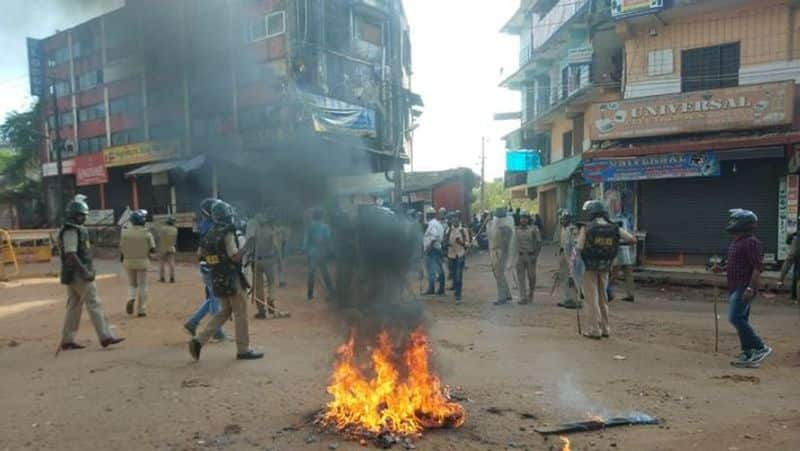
(135, 246)
(529, 244)
(77, 273)
(598, 244)
(223, 256)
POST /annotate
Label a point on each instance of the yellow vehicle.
(24, 246)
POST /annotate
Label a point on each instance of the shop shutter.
(689, 215)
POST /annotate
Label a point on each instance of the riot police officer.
(224, 257)
(167, 239)
(598, 244)
(529, 244)
(501, 242)
(135, 245)
(77, 273)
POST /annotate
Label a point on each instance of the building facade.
(691, 111)
(238, 98)
(567, 61)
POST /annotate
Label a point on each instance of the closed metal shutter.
(689, 215)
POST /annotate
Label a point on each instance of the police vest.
(526, 240)
(135, 247)
(84, 252)
(167, 238)
(601, 246)
(224, 271)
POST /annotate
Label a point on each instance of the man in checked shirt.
(744, 266)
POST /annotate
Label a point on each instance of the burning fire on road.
(387, 391)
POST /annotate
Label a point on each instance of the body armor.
(225, 272)
(84, 252)
(135, 247)
(601, 247)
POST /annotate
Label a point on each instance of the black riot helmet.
(222, 213)
(77, 210)
(595, 209)
(139, 217)
(207, 205)
(741, 221)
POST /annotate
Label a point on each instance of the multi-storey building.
(707, 122)
(680, 111)
(568, 59)
(163, 103)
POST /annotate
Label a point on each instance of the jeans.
(739, 317)
(314, 263)
(457, 271)
(210, 305)
(433, 264)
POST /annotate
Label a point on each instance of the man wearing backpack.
(598, 244)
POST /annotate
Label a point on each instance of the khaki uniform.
(135, 245)
(235, 304)
(595, 284)
(499, 244)
(72, 240)
(529, 244)
(265, 267)
(167, 239)
(282, 234)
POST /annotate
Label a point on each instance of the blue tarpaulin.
(522, 160)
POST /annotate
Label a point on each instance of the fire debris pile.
(395, 398)
(596, 423)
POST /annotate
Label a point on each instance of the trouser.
(318, 263)
(236, 305)
(739, 317)
(81, 292)
(210, 304)
(526, 272)
(594, 293)
(568, 288)
(264, 268)
(627, 274)
(281, 264)
(499, 270)
(167, 259)
(450, 265)
(457, 265)
(137, 287)
(433, 266)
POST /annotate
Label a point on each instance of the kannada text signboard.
(90, 169)
(675, 165)
(139, 153)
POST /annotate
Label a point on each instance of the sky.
(458, 57)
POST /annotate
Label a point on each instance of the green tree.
(20, 166)
(496, 195)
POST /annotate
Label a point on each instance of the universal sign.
(743, 107)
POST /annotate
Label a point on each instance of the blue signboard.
(522, 160)
(673, 165)
(36, 66)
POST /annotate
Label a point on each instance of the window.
(88, 80)
(125, 105)
(272, 24)
(165, 130)
(126, 137)
(368, 30)
(66, 120)
(84, 47)
(59, 56)
(564, 83)
(659, 62)
(91, 145)
(567, 143)
(92, 113)
(62, 88)
(710, 67)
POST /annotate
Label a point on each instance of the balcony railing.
(554, 19)
(550, 96)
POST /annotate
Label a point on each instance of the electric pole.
(483, 173)
(59, 160)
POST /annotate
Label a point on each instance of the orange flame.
(403, 401)
(566, 444)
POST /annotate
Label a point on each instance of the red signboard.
(90, 169)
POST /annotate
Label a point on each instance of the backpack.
(601, 247)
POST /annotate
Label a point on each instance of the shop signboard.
(743, 107)
(139, 153)
(100, 217)
(788, 200)
(90, 169)
(627, 8)
(667, 166)
(580, 55)
(50, 169)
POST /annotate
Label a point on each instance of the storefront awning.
(163, 166)
(556, 172)
(364, 184)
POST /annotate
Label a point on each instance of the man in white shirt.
(432, 242)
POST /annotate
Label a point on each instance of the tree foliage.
(19, 132)
(496, 195)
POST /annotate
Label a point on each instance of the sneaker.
(760, 355)
(743, 358)
(249, 355)
(191, 328)
(129, 306)
(501, 301)
(142, 315)
(572, 305)
(194, 349)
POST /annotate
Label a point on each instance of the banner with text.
(90, 169)
(675, 165)
(139, 153)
